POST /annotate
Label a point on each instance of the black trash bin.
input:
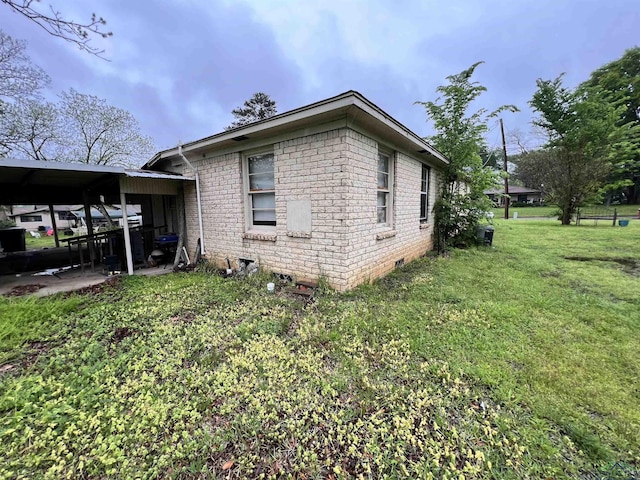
(484, 233)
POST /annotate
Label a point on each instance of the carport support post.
(127, 238)
(53, 225)
(89, 222)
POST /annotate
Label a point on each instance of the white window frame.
(248, 199)
(424, 194)
(389, 191)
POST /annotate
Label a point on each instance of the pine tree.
(258, 107)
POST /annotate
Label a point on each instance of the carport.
(54, 183)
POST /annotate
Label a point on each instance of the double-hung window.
(424, 194)
(385, 188)
(261, 191)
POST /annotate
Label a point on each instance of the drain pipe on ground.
(195, 171)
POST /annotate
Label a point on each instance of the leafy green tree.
(460, 137)
(581, 129)
(258, 107)
(619, 84)
(530, 168)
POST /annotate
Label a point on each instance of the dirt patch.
(21, 290)
(33, 351)
(629, 265)
(98, 288)
(186, 318)
(7, 368)
(121, 333)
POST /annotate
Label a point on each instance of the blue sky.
(180, 67)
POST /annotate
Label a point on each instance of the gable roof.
(350, 105)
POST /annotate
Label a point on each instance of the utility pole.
(507, 198)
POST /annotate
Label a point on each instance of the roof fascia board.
(61, 166)
(156, 175)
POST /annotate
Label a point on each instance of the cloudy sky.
(181, 66)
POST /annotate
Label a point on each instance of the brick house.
(337, 190)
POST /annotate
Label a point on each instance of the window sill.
(386, 234)
(264, 236)
(424, 226)
(299, 234)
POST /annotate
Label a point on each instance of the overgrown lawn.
(518, 361)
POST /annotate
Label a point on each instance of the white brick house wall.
(336, 171)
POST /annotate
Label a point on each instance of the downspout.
(195, 171)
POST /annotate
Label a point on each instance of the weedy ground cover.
(518, 361)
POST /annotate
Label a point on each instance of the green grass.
(30, 320)
(517, 361)
(551, 211)
(39, 243)
(548, 211)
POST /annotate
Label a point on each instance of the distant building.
(33, 216)
(525, 195)
(38, 217)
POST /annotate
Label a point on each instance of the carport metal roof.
(34, 182)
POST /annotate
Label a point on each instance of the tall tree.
(619, 83)
(581, 128)
(19, 78)
(460, 137)
(32, 128)
(52, 21)
(20, 82)
(101, 134)
(258, 107)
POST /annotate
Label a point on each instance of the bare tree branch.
(19, 78)
(54, 24)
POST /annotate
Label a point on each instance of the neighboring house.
(516, 194)
(337, 190)
(32, 217)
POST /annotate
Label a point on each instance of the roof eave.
(344, 100)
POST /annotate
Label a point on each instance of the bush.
(6, 223)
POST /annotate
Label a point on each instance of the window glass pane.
(264, 217)
(264, 200)
(382, 199)
(261, 163)
(383, 180)
(261, 181)
(425, 178)
(382, 207)
(423, 206)
(383, 163)
(382, 214)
